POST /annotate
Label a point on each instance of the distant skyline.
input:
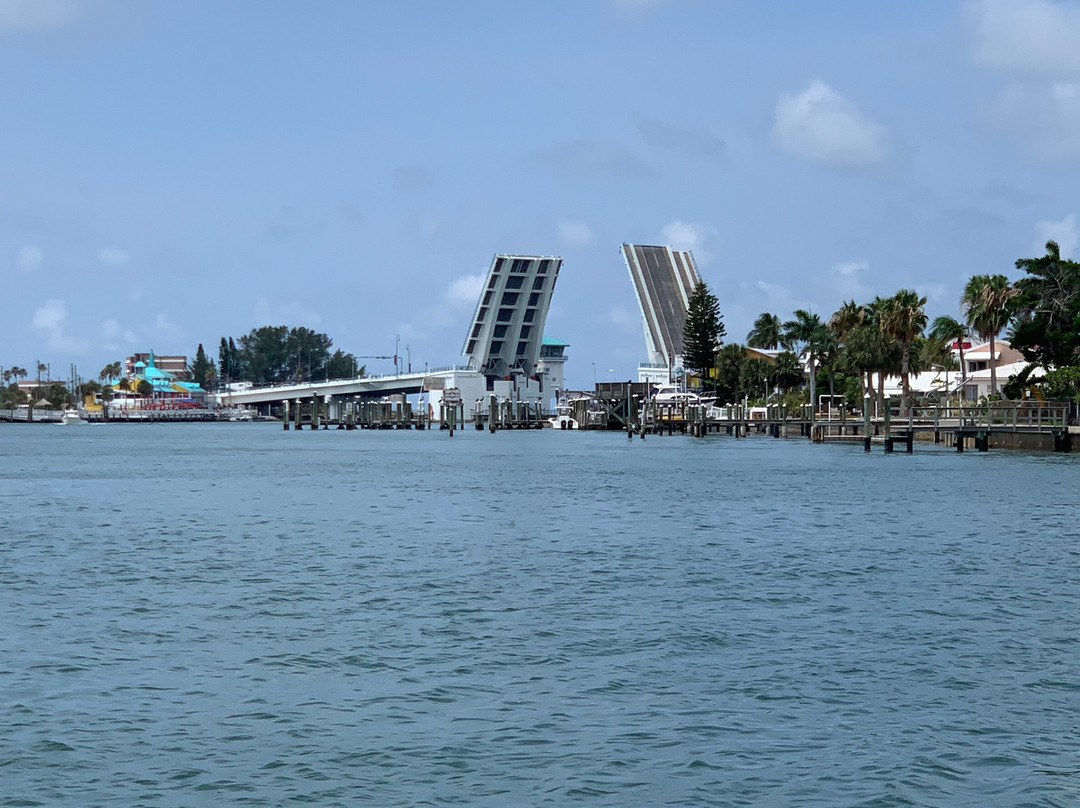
(177, 172)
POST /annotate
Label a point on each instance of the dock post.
(285, 414)
(296, 414)
(492, 407)
(959, 441)
(866, 422)
(910, 441)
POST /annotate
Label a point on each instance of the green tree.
(704, 331)
(200, 368)
(806, 333)
(109, 372)
(767, 333)
(343, 366)
(144, 388)
(786, 373)
(730, 361)
(987, 302)
(1047, 310)
(903, 318)
(949, 330)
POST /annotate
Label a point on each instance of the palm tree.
(767, 332)
(808, 333)
(949, 329)
(987, 304)
(903, 318)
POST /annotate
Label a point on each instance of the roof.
(554, 343)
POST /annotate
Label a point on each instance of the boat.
(563, 418)
(70, 415)
(240, 414)
(671, 394)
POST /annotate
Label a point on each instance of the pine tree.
(200, 368)
(704, 331)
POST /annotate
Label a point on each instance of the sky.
(171, 173)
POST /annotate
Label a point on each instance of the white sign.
(452, 395)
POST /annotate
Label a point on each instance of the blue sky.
(174, 172)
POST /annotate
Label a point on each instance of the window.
(472, 346)
(520, 265)
(534, 299)
(529, 314)
(481, 315)
(543, 268)
(515, 282)
(500, 331)
(525, 331)
(523, 347)
(496, 347)
(538, 282)
(476, 330)
(506, 315)
(487, 297)
(509, 299)
(494, 280)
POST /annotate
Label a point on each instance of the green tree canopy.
(768, 332)
(704, 331)
(987, 302)
(280, 355)
(1047, 310)
(201, 369)
(903, 318)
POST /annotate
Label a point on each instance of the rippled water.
(230, 614)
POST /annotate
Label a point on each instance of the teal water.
(230, 614)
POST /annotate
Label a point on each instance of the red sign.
(961, 345)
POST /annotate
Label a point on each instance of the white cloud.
(113, 257)
(30, 258)
(848, 277)
(575, 234)
(1028, 36)
(38, 15)
(463, 292)
(116, 336)
(820, 124)
(1065, 233)
(50, 319)
(1045, 118)
(702, 240)
(1033, 42)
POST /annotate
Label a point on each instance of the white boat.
(670, 394)
(562, 419)
(70, 415)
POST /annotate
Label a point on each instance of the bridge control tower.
(508, 327)
(663, 280)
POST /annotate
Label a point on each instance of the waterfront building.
(550, 367)
(176, 365)
(167, 389)
(663, 281)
